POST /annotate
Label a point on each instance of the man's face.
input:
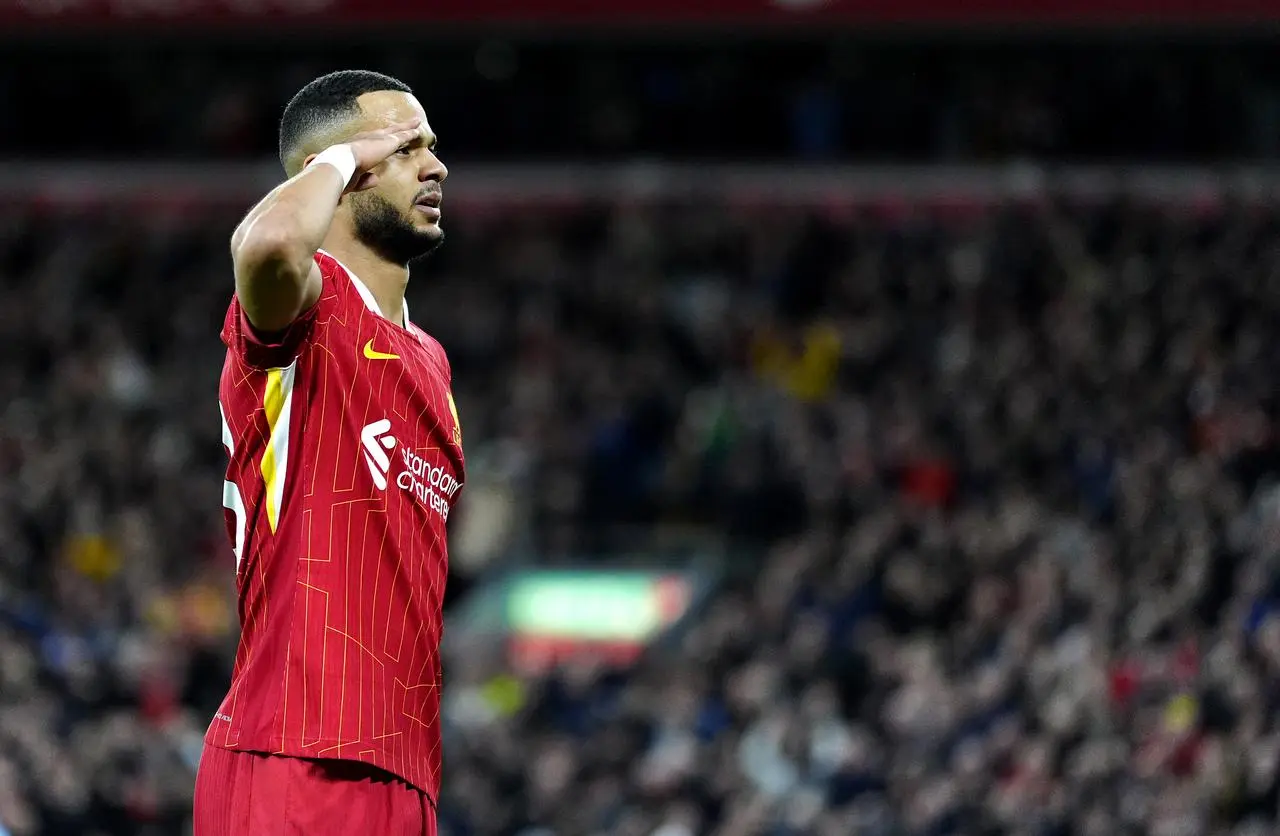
(399, 216)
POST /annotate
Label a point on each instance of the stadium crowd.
(996, 488)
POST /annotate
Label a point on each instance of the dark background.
(822, 96)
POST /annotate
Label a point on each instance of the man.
(345, 460)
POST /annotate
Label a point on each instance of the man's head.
(389, 216)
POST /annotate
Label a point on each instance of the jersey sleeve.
(267, 350)
(263, 350)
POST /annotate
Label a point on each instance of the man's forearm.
(291, 222)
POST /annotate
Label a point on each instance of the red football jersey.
(345, 460)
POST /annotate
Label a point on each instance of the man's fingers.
(411, 126)
(375, 146)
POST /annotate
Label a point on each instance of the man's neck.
(385, 280)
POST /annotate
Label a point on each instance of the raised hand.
(372, 147)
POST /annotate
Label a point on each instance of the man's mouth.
(429, 205)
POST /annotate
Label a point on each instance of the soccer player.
(345, 461)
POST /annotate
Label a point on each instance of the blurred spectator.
(999, 490)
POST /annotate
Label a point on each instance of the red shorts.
(243, 793)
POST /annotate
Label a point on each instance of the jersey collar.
(365, 293)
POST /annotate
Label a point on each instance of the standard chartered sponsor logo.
(431, 484)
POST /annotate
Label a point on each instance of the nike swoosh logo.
(377, 355)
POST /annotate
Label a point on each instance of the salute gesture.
(274, 246)
(366, 151)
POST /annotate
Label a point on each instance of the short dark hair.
(329, 97)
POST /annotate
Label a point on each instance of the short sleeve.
(263, 350)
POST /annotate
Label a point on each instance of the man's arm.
(274, 247)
